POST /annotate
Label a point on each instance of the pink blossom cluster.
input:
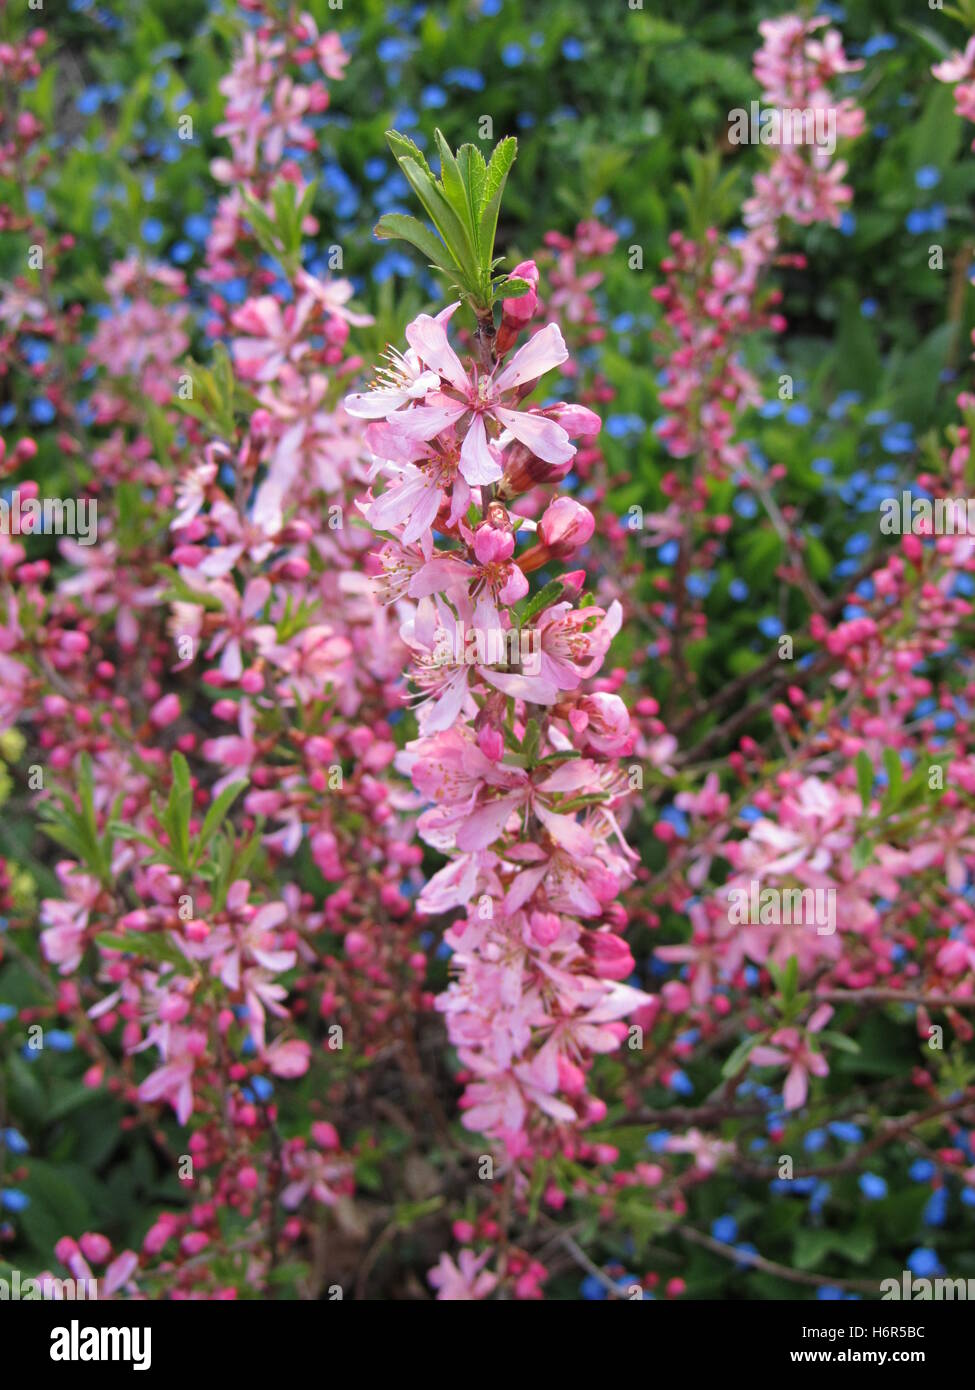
(233, 626)
(515, 761)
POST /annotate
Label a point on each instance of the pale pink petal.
(539, 355)
(428, 339)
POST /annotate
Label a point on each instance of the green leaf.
(500, 164)
(455, 235)
(404, 148)
(841, 1042)
(864, 778)
(895, 779)
(215, 816)
(453, 188)
(511, 289)
(473, 170)
(531, 741)
(551, 593)
(152, 945)
(736, 1061)
(398, 225)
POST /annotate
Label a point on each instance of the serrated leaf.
(551, 593)
(502, 158)
(511, 289)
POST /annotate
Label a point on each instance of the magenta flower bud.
(524, 306)
(65, 1249)
(248, 1179)
(95, 1248)
(325, 1135)
(165, 711)
(565, 527)
(493, 547)
(156, 1237)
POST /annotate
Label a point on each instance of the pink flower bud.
(247, 1179)
(165, 711)
(325, 1135)
(577, 420)
(96, 1248)
(611, 958)
(491, 742)
(525, 306)
(493, 547)
(565, 527)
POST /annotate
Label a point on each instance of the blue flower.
(593, 1289)
(58, 1040)
(432, 98)
(572, 50)
(770, 626)
(880, 43)
(936, 1211)
(873, 1186)
(152, 230)
(675, 817)
(491, 7)
(13, 1199)
(512, 55)
(923, 1262)
(798, 414)
(928, 176)
(898, 439)
(41, 411)
(15, 1141)
(197, 227)
(392, 50)
(88, 101)
(725, 1228)
(464, 77)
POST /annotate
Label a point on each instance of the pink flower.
(468, 1281)
(789, 1048)
(483, 398)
